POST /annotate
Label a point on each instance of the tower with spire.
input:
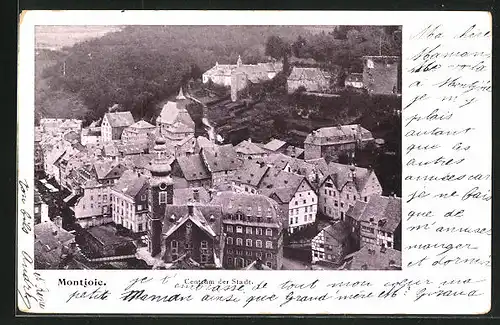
(161, 192)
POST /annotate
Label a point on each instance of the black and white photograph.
(218, 147)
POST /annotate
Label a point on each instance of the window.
(296, 203)
(143, 197)
(354, 197)
(230, 251)
(258, 231)
(139, 207)
(296, 219)
(269, 232)
(163, 197)
(329, 192)
(336, 203)
(204, 244)
(312, 200)
(366, 198)
(229, 240)
(229, 228)
(37, 209)
(248, 253)
(389, 235)
(239, 252)
(249, 242)
(348, 196)
(187, 245)
(249, 230)
(269, 244)
(104, 197)
(291, 221)
(305, 218)
(258, 254)
(229, 260)
(239, 241)
(239, 229)
(341, 204)
(174, 246)
(303, 201)
(140, 227)
(334, 193)
(91, 198)
(258, 243)
(326, 192)
(389, 244)
(99, 197)
(204, 258)
(305, 209)
(91, 206)
(269, 264)
(269, 255)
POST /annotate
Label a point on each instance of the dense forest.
(140, 66)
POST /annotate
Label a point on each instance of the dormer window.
(172, 218)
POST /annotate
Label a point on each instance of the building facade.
(311, 79)
(343, 187)
(114, 123)
(253, 230)
(330, 245)
(139, 131)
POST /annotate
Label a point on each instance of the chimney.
(190, 209)
(216, 63)
(250, 140)
(196, 195)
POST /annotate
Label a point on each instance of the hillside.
(139, 66)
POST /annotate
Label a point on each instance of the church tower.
(161, 193)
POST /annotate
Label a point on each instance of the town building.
(92, 136)
(294, 194)
(222, 74)
(140, 130)
(275, 146)
(311, 79)
(114, 123)
(222, 162)
(54, 247)
(354, 80)
(104, 241)
(193, 170)
(331, 245)
(373, 257)
(174, 123)
(343, 187)
(247, 179)
(381, 74)
(41, 209)
(55, 126)
(246, 149)
(129, 201)
(253, 230)
(203, 142)
(332, 142)
(376, 222)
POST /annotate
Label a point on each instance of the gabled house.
(222, 162)
(137, 131)
(174, 123)
(343, 186)
(129, 201)
(331, 245)
(192, 232)
(246, 149)
(193, 170)
(114, 123)
(376, 222)
(247, 179)
(294, 194)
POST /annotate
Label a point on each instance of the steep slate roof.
(119, 119)
(106, 235)
(313, 74)
(338, 232)
(108, 169)
(203, 142)
(186, 195)
(142, 125)
(251, 173)
(221, 158)
(49, 246)
(201, 217)
(274, 145)
(247, 147)
(281, 184)
(383, 209)
(232, 202)
(175, 112)
(192, 167)
(338, 134)
(375, 258)
(339, 173)
(110, 149)
(130, 183)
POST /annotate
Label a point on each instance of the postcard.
(254, 162)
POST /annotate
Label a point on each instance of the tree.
(298, 47)
(276, 47)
